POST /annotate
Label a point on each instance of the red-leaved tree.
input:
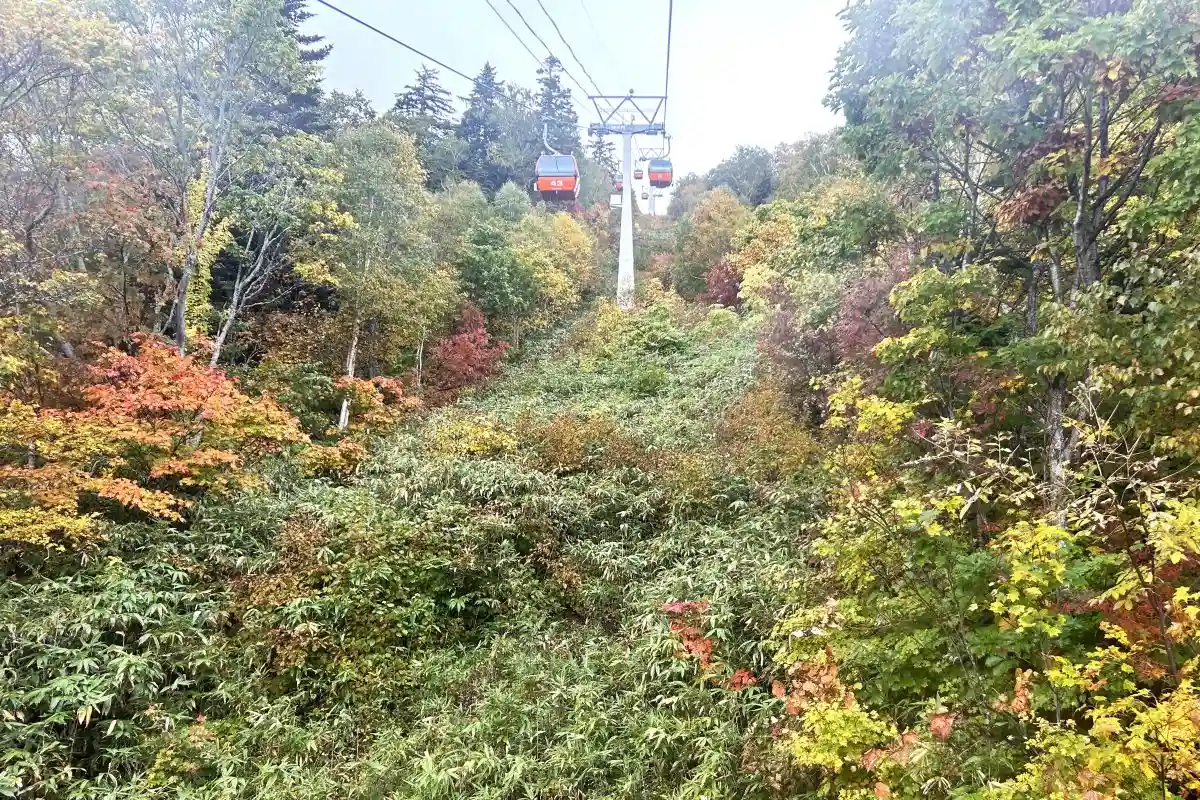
(723, 284)
(467, 357)
(153, 432)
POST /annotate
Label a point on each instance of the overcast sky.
(742, 71)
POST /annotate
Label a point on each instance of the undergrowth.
(482, 610)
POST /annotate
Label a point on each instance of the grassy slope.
(573, 687)
(477, 614)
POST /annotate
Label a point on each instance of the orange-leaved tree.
(154, 432)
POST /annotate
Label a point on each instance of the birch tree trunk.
(226, 327)
(344, 417)
(193, 254)
(420, 361)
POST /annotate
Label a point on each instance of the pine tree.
(604, 153)
(426, 101)
(554, 104)
(424, 109)
(311, 49)
(301, 110)
(480, 131)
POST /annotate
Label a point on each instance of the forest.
(330, 469)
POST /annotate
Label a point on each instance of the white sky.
(742, 71)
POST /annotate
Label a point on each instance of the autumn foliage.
(153, 432)
(467, 357)
(722, 284)
(687, 623)
(375, 403)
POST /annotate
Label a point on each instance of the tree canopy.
(330, 469)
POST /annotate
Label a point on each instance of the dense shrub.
(465, 358)
(153, 433)
(722, 285)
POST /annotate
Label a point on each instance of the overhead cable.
(369, 26)
(516, 36)
(667, 77)
(542, 42)
(428, 57)
(608, 59)
(570, 49)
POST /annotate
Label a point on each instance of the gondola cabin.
(618, 185)
(638, 174)
(645, 195)
(557, 178)
(660, 173)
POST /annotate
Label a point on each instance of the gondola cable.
(667, 77)
(388, 36)
(570, 49)
(545, 46)
(604, 51)
(516, 36)
(442, 64)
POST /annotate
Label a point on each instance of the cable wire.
(516, 36)
(667, 77)
(604, 51)
(570, 49)
(541, 41)
(369, 26)
(442, 64)
(586, 111)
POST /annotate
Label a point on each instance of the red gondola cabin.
(637, 174)
(557, 178)
(660, 173)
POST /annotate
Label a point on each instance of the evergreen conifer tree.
(480, 131)
(604, 153)
(554, 106)
(426, 101)
(301, 111)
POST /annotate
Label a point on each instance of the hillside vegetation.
(329, 470)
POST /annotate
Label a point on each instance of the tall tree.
(1060, 128)
(804, 164)
(604, 154)
(503, 286)
(686, 194)
(210, 64)
(301, 110)
(480, 131)
(520, 135)
(284, 212)
(61, 65)
(749, 173)
(425, 99)
(458, 209)
(382, 265)
(595, 183)
(341, 111)
(424, 109)
(555, 108)
(705, 237)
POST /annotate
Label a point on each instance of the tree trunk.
(1087, 250)
(420, 362)
(1060, 446)
(224, 331)
(1083, 228)
(1031, 297)
(189, 263)
(179, 312)
(344, 416)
